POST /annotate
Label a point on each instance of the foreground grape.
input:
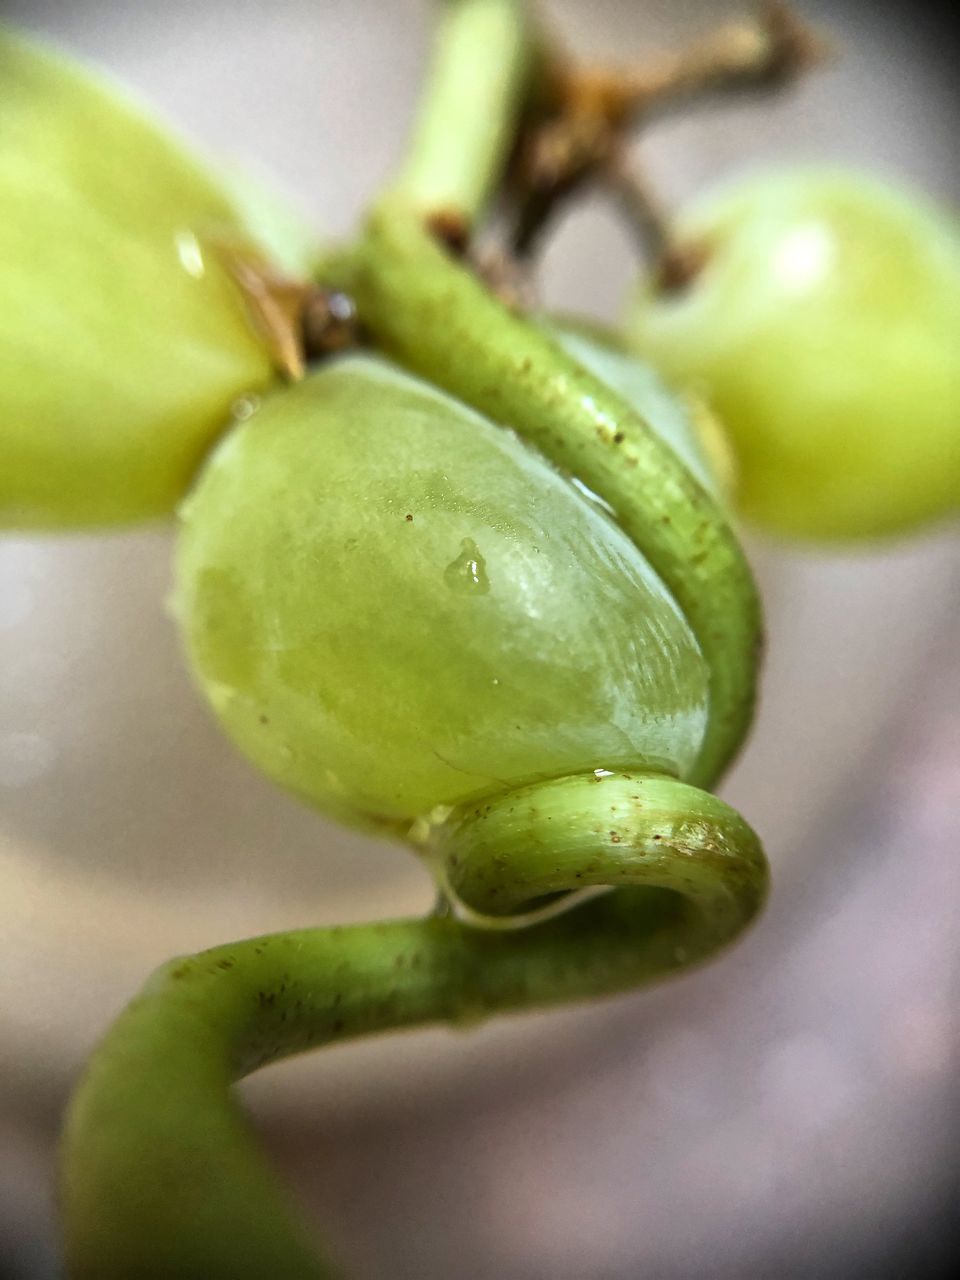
(824, 328)
(393, 604)
(123, 340)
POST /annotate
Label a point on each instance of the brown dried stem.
(645, 214)
(295, 319)
(767, 52)
(588, 112)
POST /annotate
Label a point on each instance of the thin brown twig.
(588, 112)
(766, 52)
(675, 264)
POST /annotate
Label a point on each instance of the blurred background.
(789, 1111)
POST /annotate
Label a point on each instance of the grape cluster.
(473, 587)
(391, 602)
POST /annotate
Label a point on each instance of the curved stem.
(503, 854)
(436, 318)
(482, 68)
(161, 1177)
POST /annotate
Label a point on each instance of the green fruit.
(123, 340)
(824, 327)
(393, 604)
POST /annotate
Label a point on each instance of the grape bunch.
(391, 602)
(470, 584)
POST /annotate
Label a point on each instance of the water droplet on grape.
(243, 409)
(468, 572)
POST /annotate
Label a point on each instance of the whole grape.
(393, 604)
(123, 340)
(824, 327)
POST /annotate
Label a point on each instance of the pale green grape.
(123, 341)
(393, 604)
(825, 329)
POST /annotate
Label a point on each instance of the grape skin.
(825, 329)
(123, 341)
(393, 604)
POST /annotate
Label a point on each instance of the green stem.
(482, 68)
(436, 318)
(507, 852)
(161, 1177)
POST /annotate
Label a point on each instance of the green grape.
(393, 604)
(824, 326)
(123, 340)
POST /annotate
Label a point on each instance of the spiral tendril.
(162, 1178)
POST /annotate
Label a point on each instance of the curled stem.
(437, 319)
(161, 1176)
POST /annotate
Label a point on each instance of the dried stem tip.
(768, 51)
(586, 112)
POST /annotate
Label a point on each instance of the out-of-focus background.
(789, 1111)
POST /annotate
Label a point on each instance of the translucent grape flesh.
(394, 604)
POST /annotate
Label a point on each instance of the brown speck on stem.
(451, 228)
